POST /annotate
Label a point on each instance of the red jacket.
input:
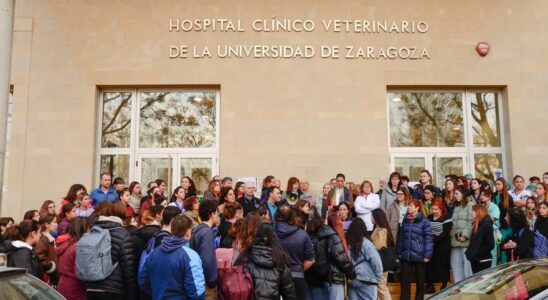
(69, 285)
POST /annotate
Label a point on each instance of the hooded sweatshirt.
(203, 242)
(173, 271)
(297, 245)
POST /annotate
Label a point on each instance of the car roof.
(6, 271)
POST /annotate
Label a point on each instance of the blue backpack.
(541, 245)
(146, 252)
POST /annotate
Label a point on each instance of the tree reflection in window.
(116, 127)
(426, 120)
(177, 120)
(485, 165)
(485, 119)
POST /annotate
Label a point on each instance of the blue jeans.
(460, 264)
(334, 291)
(316, 294)
(358, 290)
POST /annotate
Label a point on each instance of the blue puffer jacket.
(415, 239)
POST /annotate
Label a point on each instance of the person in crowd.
(268, 265)
(83, 205)
(460, 235)
(69, 285)
(232, 213)
(74, 191)
(519, 193)
(160, 200)
(226, 182)
(429, 193)
(150, 200)
(45, 249)
(531, 211)
(398, 209)
(161, 184)
(542, 220)
(33, 215)
(449, 195)
(192, 206)
(304, 186)
(304, 206)
(131, 225)
(174, 270)
(482, 239)
(124, 196)
(521, 243)
(382, 239)
(388, 195)
(68, 213)
(48, 207)
(383, 182)
(214, 190)
(330, 245)
(345, 214)
(323, 198)
(494, 213)
(415, 248)
(405, 181)
(268, 182)
(541, 192)
(152, 225)
(248, 201)
(246, 234)
(21, 240)
(462, 182)
(104, 192)
(534, 180)
(338, 194)
(135, 196)
(168, 214)
(150, 190)
(366, 203)
(239, 189)
(5, 224)
(203, 242)
(292, 193)
(437, 270)
(545, 178)
(178, 198)
(118, 184)
(227, 196)
(188, 185)
(297, 245)
(273, 202)
(424, 181)
(121, 284)
(366, 261)
(353, 188)
(505, 202)
(262, 211)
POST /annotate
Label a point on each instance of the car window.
(24, 286)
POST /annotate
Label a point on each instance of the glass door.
(199, 168)
(439, 164)
(155, 166)
(446, 164)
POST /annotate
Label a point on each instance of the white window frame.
(134, 151)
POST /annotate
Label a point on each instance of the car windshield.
(24, 286)
(519, 280)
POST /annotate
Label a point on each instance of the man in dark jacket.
(248, 201)
(203, 242)
(174, 270)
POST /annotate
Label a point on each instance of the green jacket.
(462, 223)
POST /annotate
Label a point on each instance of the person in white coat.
(365, 203)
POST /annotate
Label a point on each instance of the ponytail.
(21, 231)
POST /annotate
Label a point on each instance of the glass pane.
(426, 120)
(116, 126)
(156, 168)
(444, 166)
(117, 165)
(199, 169)
(485, 119)
(177, 120)
(487, 165)
(410, 166)
(24, 286)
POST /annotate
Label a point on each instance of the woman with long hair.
(228, 195)
(239, 189)
(232, 212)
(84, 207)
(521, 243)
(68, 213)
(482, 239)
(178, 198)
(323, 200)
(541, 192)
(48, 207)
(292, 193)
(437, 269)
(267, 263)
(449, 195)
(398, 209)
(388, 194)
(33, 215)
(72, 195)
(343, 210)
(366, 203)
(424, 181)
(542, 220)
(245, 237)
(531, 211)
(366, 261)
(505, 203)
(188, 185)
(191, 206)
(475, 190)
(382, 239)
(136, 194)
(45, 249)
(19, 246)
(415, 249)
(213, 191)
(69, 286)
(460, 235)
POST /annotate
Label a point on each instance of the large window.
(452, 132)
(146, 134)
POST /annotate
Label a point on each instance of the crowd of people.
(130, 242)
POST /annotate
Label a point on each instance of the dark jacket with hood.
(173, 271)
(415, 239)
(297, 245)
(141, 238)
(481, 242)
(21, 255)
(525, 243)
(541, 225)
(203, 242)
(340, 265)
(122, 281)
(269, 281)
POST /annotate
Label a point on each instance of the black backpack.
(322, 268)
